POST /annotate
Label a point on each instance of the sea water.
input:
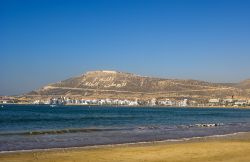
(27, 127)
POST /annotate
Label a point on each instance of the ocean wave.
(208, 125)
(127, 143)
(148, 127)
(56, 119)
(61, 131)
(201, 125)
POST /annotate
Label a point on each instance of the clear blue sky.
(43, 41)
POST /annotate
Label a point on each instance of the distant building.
(228, 100)
(153, 102)
(241, 103)
(167, 102)
(184, 103)
(214, 102)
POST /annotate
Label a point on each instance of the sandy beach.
(231, 148)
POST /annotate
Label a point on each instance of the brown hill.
(113, 84)
(244, 85)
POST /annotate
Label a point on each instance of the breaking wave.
(61, 131)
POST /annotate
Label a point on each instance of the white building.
(184, 103)
(133, 103)
(240, 103)
(153, 102)
(228, 100)
(36, 102)
(214, 100)
(167, 102)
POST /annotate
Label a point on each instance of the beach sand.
(233, 148)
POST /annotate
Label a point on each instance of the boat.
(52, 105)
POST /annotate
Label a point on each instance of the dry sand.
(234, 148)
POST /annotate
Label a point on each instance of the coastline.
(139, 106)
(143, 143)
(230, 145)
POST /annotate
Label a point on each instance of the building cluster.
(8, 100)
(70, 101)
(228, 102)
(149, 102)
(213, 102)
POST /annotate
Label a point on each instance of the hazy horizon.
(47, 41)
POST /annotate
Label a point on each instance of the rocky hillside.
(245, 85)
(112, 84)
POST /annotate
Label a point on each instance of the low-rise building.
(214, 102)
(241, 103)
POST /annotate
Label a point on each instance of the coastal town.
(213, 102)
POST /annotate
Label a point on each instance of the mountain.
(245, 85)
(113, 84)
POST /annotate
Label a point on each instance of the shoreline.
(167, 141)
(230, 147)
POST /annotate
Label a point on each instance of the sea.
(29, 127)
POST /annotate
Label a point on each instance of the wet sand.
(232, 148)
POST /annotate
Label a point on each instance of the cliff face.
(112, 84)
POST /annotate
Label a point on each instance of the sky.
(45, 41)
